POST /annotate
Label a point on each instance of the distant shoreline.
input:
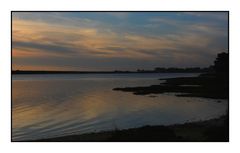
(90, 72)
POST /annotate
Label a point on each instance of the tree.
(221, 65)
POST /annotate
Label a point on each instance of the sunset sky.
(90, 41)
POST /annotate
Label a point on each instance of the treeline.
(156, 70)
(178, 70)
(220, 68)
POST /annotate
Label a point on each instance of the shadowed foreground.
(215, 130)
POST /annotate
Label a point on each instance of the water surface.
(46, 106)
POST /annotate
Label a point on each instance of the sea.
(53, 105)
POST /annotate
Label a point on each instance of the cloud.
(44, 47)
(56, 39)
(214, 16)
(113, 48)
(119, 15)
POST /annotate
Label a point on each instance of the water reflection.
(54, 107)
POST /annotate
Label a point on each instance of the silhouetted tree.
(221, 65)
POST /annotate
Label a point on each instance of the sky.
(97, 41)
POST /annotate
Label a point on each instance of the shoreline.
(201, 86)
(212, 130)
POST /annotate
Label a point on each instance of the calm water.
(54, 105)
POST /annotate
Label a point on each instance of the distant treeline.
(156, 70)
(178, 70)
